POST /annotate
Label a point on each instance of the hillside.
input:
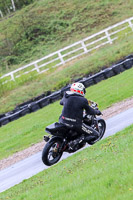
(47, 25)
(40, 29)
(15, 93)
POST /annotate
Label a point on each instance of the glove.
(99, 112)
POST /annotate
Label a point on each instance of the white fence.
(62, 56)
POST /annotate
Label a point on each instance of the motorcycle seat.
(56, 127)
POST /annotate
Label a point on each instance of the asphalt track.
(28, 167)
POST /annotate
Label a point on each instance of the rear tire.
(51, 154)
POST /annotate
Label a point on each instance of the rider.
(74, 103)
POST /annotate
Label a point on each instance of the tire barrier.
(43, 100)
(108, 73)
(24, 111)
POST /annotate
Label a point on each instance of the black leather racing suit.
(72, 114)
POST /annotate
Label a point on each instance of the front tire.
(101, 129)
(51, 153)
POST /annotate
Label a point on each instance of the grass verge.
(103, 171)
(29, 129)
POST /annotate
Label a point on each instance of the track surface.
(30, 166)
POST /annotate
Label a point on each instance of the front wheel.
(101, 129)
(51, 152)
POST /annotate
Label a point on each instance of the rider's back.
(73, 106)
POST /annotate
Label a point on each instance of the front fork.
(95, 123)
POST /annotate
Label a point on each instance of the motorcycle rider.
(74, 103)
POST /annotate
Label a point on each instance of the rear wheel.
(51, 153)
(101, 129)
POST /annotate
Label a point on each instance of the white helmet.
(78, 88)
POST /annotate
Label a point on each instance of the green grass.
(48, 25)
(26, 37)
(25, 88)
(102, 171)
(29, 129)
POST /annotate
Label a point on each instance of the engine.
(76, 144)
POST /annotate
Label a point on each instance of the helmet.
(78, 88)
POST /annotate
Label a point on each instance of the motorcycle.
(64, 139)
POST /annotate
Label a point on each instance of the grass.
(25, 88)
(103, 171)
(48, 25)
(29, 129)
(27, 36)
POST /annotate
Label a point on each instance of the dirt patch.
(109, 112)
(118, 108)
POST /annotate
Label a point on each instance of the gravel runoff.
(108, 113)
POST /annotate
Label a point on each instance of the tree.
(1, 13)
(13, 5)
(7, 6)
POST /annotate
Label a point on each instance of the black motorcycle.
(64, 139)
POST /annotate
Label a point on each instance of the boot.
(90, 138)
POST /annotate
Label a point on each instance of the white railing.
(62, 56)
